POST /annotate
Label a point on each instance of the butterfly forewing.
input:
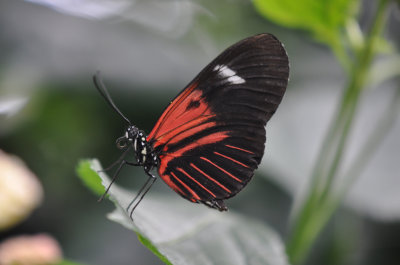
(211, 138)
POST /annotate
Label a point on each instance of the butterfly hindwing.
(211, 138)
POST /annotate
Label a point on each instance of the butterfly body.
(211, 137)
(144, 153)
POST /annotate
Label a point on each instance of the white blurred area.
(129, 41)
(171, 16)
(10, 107)
(86, 8)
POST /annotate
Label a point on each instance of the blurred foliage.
(328, 21)
(324, 19)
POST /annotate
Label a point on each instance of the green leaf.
(89, 177)
(324, 19)
(180, 232)
(146, 242)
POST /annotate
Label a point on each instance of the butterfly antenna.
(98, 82)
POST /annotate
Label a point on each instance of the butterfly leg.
(119, 160)
(124, 162)
(142, 192)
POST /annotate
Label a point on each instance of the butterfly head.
(131, 133)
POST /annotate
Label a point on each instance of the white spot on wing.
(228, 73)
(236, 80)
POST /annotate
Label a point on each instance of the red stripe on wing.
(194, 194)
(194, 180)
(237, 148)
(169, 110)
(170, 183)
(230, 158)
(220, 168)
(185, 130)
(210, 178)
(184, 117)
(208, 139)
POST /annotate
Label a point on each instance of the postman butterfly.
(211, 137)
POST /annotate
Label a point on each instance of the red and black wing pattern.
(211, 138)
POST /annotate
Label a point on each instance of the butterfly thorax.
(144, 152)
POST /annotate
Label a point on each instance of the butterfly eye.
(122, 142)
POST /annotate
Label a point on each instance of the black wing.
(211, 138)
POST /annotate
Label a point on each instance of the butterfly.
(210, 139)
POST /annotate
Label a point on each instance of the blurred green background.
(147, 52)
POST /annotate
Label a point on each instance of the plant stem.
(341, 55)
(383, 126)
(319, 205)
